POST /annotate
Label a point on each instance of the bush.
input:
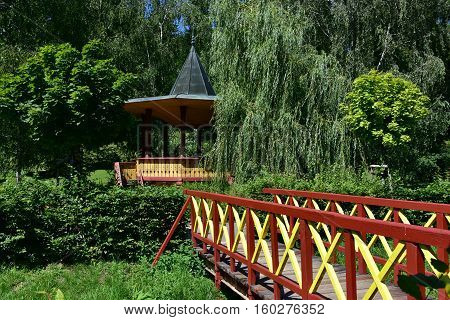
(41, 222)
(336, 180)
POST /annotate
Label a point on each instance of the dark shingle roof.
(192, 79)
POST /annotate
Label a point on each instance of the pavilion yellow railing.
(168, 169)
(172, 169)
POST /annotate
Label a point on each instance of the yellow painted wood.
(378, 276)
(223, 229)
(240, 236)
(209, 225)
(198, 217)
(289, 253)
(383, 240)
(262, 243)
(326, 266)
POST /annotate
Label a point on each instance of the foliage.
(41, 222)
(411, 283)
(145, 37)
(279, 106)
(384, 110)
(334, 180)
(106, 281)
(61, 100)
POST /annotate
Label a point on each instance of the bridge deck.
(264, 286)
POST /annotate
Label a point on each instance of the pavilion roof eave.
(199, 108)
(178, 96)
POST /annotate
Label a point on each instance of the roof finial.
(192, 37)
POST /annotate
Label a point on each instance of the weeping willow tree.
(279, 96)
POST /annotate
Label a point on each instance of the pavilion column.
(183, 131)
(146, 134)
(165, 140)
(199, 142)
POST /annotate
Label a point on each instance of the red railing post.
(442, 253)
(333, 232)
(362, 267)
(250, 251)
(306, 252)
(396, 266)
(415, 264)
(291, 219)
(193, 239)
(205, 222)
(216, 241)
(350, 266)
(275, 258)
(232, 236)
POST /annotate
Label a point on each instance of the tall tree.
(279, 96)
(61, 101)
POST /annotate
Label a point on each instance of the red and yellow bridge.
(311, 245)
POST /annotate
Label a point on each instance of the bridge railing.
(426, 214)
(247, 230)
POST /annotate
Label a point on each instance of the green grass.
(102, 177)
(106, 281)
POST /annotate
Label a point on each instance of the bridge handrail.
(209, 222)
(400, 231)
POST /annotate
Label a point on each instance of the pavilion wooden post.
(146, 133)
(165, 140)
(199, 141)
(183, 131)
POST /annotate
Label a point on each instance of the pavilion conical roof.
(192, 79)
(191, 92)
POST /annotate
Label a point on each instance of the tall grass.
(177, 277)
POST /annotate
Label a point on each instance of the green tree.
(280, 96)
(384, 112)
(62, 101)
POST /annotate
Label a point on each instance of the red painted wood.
(306, 251)
(204, 221)
(333, 231)
(231, 225)
(362, 267)
(397, 266)
(250, 251)
(291, 219)
(350, 266)
(442, 253)
(413, 235)
(193, 239)
(275, 260)
(408, 233)
(285, 282)
(172, 231)
(215, 216)
(381, 202)
(415, 264)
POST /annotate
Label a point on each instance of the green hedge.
(334, 180)
(41, 222)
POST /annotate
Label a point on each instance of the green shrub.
(336, 180)
(42, 223)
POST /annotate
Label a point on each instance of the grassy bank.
(108, 281)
